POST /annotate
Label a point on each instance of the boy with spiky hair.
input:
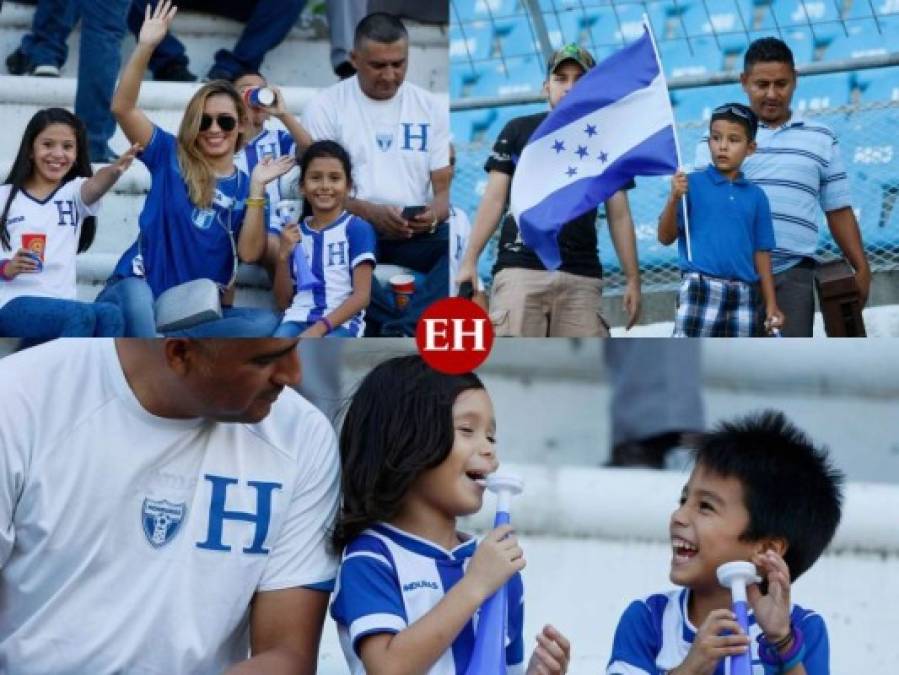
(760, 491)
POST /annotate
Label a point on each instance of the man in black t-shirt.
(527, 300)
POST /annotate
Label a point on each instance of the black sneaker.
(217, 73)
(174, 72)
(345, 70)
(18, 63)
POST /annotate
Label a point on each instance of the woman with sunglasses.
(201, 213)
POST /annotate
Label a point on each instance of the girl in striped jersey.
(338, 247)
(415, 450)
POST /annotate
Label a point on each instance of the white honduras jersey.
(654, 636)
(272, 143)
(333, 253)
(389, 579)
(394, 144)
(59, 217)
(133, 543)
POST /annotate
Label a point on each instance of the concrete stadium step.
(302, 59)
(164, 102)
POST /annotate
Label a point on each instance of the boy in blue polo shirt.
(730, 236)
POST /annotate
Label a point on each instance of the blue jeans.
(428, 254)
(294, 328)
(267, 23)
(133, 297)
(48, 318)
(245, 322)
(102, 30)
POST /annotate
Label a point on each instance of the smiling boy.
(730, 236)
(762, 492)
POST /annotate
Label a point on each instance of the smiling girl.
(339, 248)
(47, 208)
(415, 449)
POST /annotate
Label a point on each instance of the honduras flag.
(614, 124)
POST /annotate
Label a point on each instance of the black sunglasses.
(226, 122)
(739, 112)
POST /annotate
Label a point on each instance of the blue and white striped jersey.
(272, 143)
(654, 636)
(333, 253)
(389, 579)
(799, 167)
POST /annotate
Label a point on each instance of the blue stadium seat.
(603, 25)
(863, 40)
(882, 84)
(514, 36)
(630, 22)
(819, 92)
(478, 40)
(678, 59)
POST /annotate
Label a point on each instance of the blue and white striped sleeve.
(836, 191)
(362, 241)
(287, 145)
(817, 646)
(369, 600)
(636, 643)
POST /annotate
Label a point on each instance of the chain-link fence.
(861, 106)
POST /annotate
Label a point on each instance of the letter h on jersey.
(218, 514)
(421, 136)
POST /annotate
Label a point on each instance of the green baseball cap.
(570, 52)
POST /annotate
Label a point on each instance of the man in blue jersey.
(761, 492)
(797, 163)
(174, 520)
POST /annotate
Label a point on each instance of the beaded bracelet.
(770, 656)
(328, 324)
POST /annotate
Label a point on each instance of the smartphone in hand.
(409, 212)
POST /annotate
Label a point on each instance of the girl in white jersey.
(337, 247)
(47, 204)
(415, 449)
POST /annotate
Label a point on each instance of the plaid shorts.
(712, 307)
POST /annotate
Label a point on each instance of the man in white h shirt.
(397, 135)
(164, 507)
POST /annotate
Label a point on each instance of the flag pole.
(652, 38)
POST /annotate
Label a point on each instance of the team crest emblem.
(384, 139)
(161, 520)
(202, 218)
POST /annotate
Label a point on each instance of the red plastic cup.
(403, 286)
(35, 244)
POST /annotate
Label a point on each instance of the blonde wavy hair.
(195, 168)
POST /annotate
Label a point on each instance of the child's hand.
(496, 559)
(21, 262)
(268, 169)
(290, 237)
(156, 24)
(774, 319)
(772, 611)
(121, 165)
(552, 654)
(678, 185)
(316, 330)
(710, 646)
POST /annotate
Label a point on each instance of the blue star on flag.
(603, 157)
(558, 146)
(590, 130)
(571, 171)
(581, 151)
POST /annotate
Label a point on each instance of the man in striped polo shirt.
(798, 165)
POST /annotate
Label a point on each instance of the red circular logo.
(454, 336)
